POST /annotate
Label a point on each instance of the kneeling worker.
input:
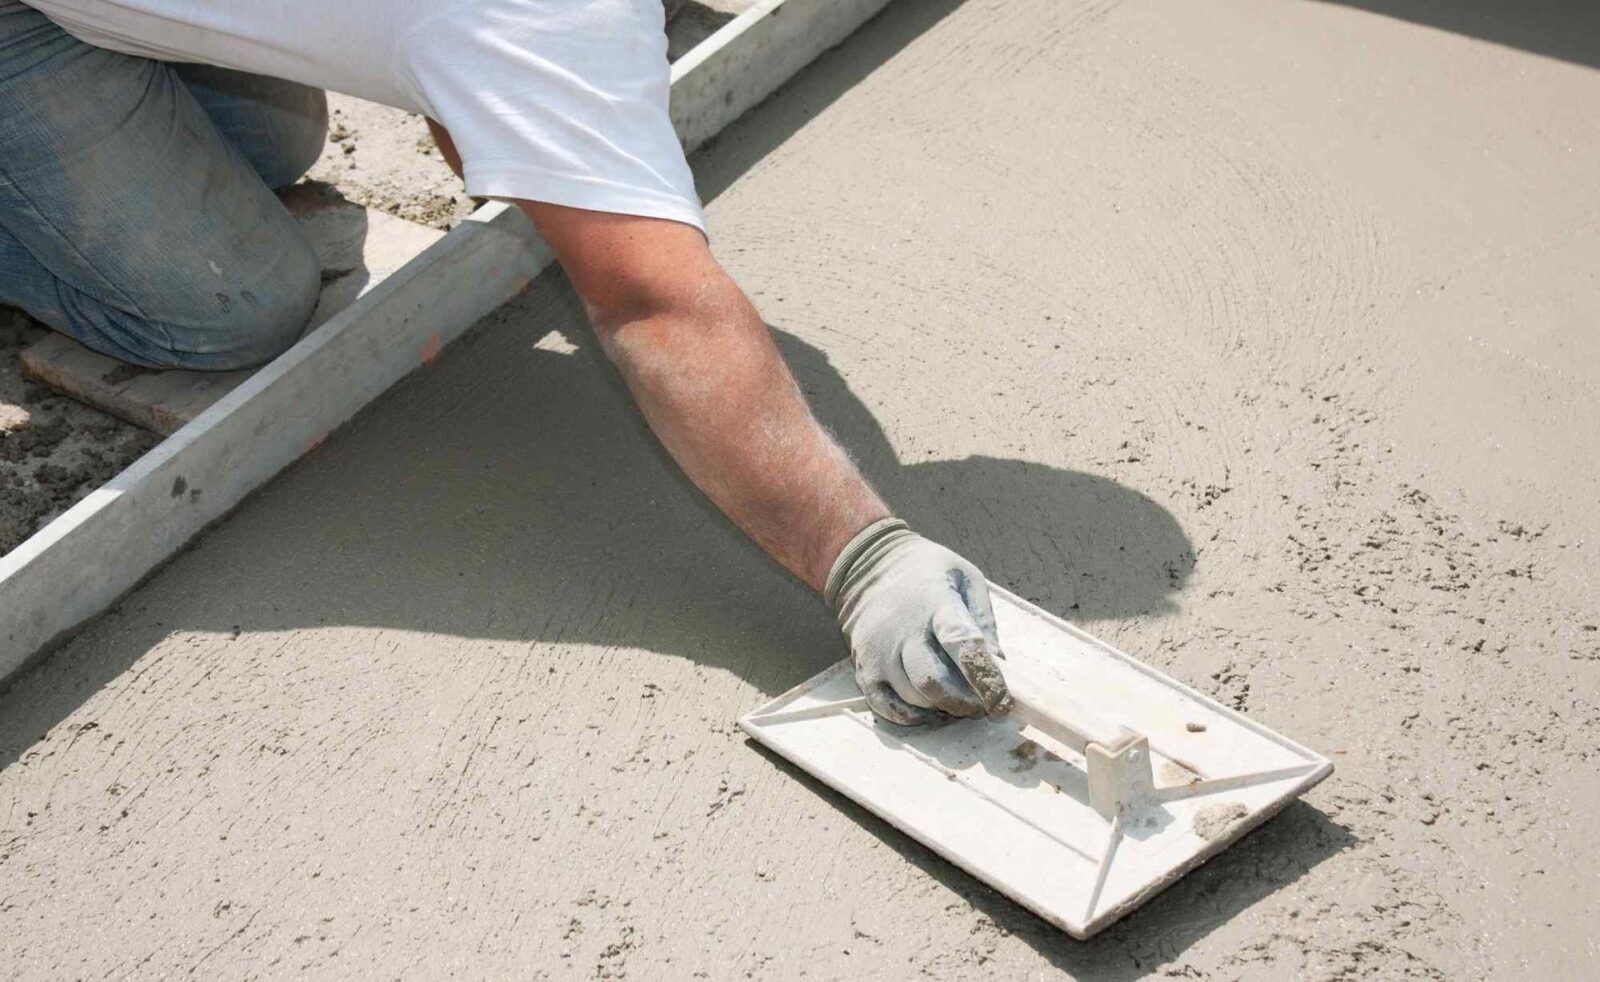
(140, 141)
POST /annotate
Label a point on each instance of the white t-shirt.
(551, 100)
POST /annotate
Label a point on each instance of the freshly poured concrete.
(1257, 337)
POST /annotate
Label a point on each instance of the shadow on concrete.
(509, 470)
(513, 491)
(1564, 29)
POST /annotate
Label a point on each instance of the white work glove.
(920, 628)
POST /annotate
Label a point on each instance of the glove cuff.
(859, 546)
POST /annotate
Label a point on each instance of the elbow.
(642, 313)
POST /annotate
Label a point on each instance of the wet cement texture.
(1257, 337)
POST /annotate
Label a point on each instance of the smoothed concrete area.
(1258, 337)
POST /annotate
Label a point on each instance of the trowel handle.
(1117, 758)
(1060, 716)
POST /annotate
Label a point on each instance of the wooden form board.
(78, 565)
(156, 400)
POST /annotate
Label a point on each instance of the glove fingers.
(973, 654)
(890, 667)
(890, 693)
(884, 701)
(976, 594)
(935, 677)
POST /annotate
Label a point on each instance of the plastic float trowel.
(1105, 783)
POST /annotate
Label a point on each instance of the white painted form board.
(1010, 799)
(77, 566)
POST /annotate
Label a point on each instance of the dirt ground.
(1257, 337)
(54, 451)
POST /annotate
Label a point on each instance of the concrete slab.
(1256, 336)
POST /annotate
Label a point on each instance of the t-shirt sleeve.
(563, 101)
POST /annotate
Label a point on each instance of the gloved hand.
(921, 631)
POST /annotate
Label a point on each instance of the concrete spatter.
(1255, 335)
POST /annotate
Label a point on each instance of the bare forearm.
(704, 371)
(703, 368)
(713, 387)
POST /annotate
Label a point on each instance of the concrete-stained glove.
(920, 627)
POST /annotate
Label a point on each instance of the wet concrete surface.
(1256, 337)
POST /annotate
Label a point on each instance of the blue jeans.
(136, 210)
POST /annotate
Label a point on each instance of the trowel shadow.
(1268, 859)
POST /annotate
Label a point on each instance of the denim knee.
(285, 309)
(300, 145)
(133, 215)
(279, 127)
(253, 318)
(243, 317)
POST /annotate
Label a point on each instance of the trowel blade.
(1009, 803)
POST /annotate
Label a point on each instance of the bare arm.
(702, 365)
(703, 368)
(447, 147)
